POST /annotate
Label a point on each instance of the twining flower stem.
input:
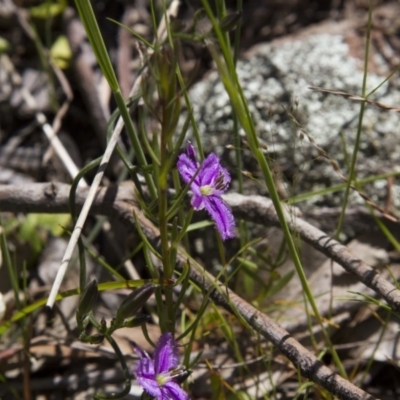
(134, 139)
(165, 249)
(163, 223)
(166, 67)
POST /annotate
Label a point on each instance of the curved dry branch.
(119, 202)
(261, 211)
(114, 201)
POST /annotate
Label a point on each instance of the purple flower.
(210, 181)
(159, 376)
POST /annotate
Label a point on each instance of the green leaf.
(4, 45)
(135, 301)
(229, 22)
(48, 9)
(87, 300)
(96, 40)
(36, 228)
(61, 52)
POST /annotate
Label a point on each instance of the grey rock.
(276, 78)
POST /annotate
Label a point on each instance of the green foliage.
(29, 309)
(4, 45)
(35, 228)
(61, 52)
(48, 9)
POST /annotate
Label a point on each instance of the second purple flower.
(159, 376)
(210, 182)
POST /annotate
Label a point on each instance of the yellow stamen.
(206, 190)
(162, 379)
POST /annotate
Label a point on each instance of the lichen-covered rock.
(276, 78)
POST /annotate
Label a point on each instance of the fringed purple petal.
(186, 167)
(146, 377)
(145, 368)
(209, 170)
(191, 153)
(151, 387)
(140, 352)
(165, 354)
(155, 375)
(197, 202)
(222, 216)
(172, 391)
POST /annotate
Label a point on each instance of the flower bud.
(229, 22)
(136, 300)
(87, 300)
(97, 338)
(136, 321)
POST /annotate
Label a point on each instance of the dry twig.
(356, 98)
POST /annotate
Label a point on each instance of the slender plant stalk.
(352, 175)
(12, 273)
(230, 80)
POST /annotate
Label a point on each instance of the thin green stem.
(340, 187)
(134, 139)
(12, 273)
(352, 175)
(93, 31)
(96, 40)
(29, 309)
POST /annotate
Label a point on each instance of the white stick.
(84, 213)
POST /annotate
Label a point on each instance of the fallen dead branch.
(261, 210)
(119, 202)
